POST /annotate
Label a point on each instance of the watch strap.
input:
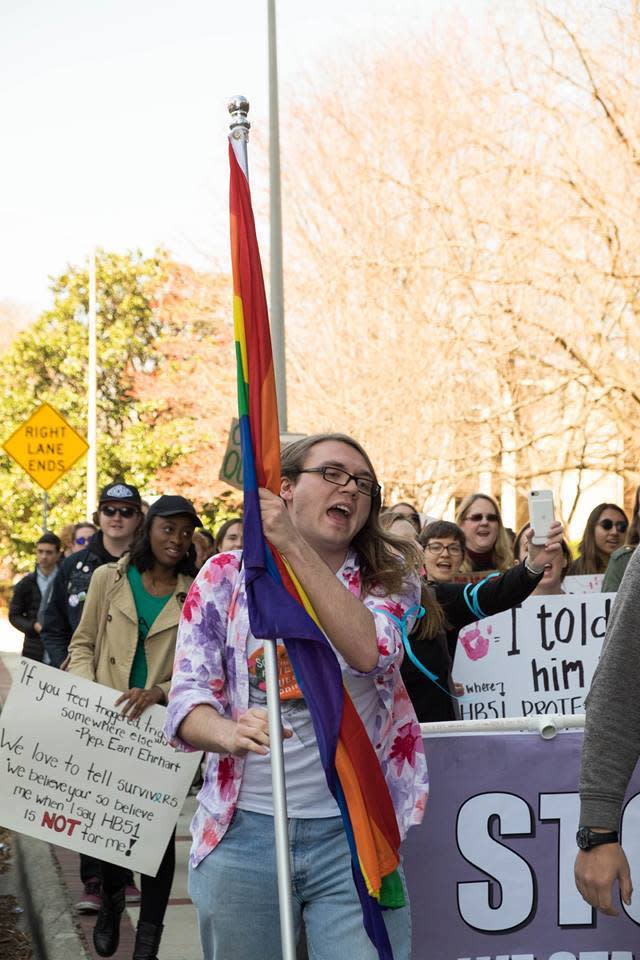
(587, 838)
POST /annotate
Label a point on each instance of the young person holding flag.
(320, 577)
(362, 584)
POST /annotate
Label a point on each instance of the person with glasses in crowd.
(604, 532)
(620, 558)
(449, 607)
(362, 581)
(118, 518)
(399, 524)
(81, 536)
(126, 640)
(409, 512)
(487, 543)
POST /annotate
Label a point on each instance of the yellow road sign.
(45, 446)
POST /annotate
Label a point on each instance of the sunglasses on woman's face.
(607, 524)
(489, 517)
(126, 512)
(82, 540)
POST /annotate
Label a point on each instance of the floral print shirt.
(211, 668)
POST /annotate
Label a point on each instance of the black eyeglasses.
(126, 512)
(620, 525)
(341, 478)
(489, 517)
(436, 548)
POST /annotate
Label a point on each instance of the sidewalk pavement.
(51, 877)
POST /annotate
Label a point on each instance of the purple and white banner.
(490, 870)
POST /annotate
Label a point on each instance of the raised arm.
(349, 624)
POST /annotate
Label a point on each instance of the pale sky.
(114, 120)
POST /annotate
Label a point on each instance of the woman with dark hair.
(603, 534)
(449, 607)
(134, 654)
(229, 536)
(487, 542)
(620, 558)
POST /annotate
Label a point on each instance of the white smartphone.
(541, 514)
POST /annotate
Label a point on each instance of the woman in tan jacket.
(126, 640)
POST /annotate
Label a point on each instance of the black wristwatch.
(586, 838)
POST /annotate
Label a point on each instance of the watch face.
(582, 838)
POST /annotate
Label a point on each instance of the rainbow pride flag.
(278, 606)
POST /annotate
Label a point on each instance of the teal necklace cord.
(471, 596)
(404, 631)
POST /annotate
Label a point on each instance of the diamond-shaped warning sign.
(45, 446)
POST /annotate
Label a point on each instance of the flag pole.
(239, 108)
(92, 366)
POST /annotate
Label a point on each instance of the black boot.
(147, 941)
(106, 933)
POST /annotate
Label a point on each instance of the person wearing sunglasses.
(399, 524)
(81, 536)
(487, 543)
(118, 518)
(409, 512)
(451, 606)
(604, 533)
(620, 558)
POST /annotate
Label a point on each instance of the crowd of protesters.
(128, 555)
(105, 598)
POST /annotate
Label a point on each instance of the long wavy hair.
(386, 560)
(590, 560)
(501, 555)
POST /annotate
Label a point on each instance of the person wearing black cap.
(118, 517)
(126, 640)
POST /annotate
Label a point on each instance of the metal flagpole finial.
(239, 108)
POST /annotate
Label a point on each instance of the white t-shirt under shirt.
(308, 796)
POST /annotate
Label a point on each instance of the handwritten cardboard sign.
(584, 583)
(535, 659)
(74, 772)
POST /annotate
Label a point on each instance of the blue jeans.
(235, 893)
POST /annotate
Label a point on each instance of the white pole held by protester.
(239, 137)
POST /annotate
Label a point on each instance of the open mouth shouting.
(340, 512)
